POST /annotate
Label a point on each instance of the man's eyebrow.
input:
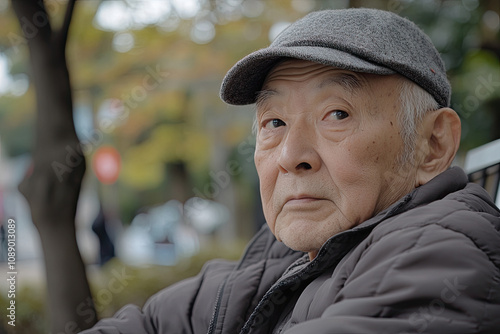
(347, 81)
(262, 97)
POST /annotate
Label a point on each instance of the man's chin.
(300, 242)
(304, 234)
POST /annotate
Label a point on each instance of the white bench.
(482, 165)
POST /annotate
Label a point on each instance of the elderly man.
(369, 229)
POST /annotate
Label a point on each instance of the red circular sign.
(106, 164)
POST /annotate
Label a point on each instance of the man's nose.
(298, 151)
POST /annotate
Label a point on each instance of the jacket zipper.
(218, 301)
(296, 277)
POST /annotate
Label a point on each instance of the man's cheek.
(271, 214)
(271, 221)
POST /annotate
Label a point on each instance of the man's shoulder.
(467, 215)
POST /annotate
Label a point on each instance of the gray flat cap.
(359, 40)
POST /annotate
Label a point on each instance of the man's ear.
(440, 138)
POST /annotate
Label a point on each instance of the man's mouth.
(301, 199)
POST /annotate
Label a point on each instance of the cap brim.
(245, 78)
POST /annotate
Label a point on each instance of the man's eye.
(274, 123)
(338, 114)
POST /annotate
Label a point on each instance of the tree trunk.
(53, 185)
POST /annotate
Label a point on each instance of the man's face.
(327, 151)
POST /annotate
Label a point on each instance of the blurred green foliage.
(30, 311)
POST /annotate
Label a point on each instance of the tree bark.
(53, 185)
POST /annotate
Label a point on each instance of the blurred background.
(170, 181)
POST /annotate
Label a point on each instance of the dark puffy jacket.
(428, 264)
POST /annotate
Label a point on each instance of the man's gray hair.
(415, 102)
